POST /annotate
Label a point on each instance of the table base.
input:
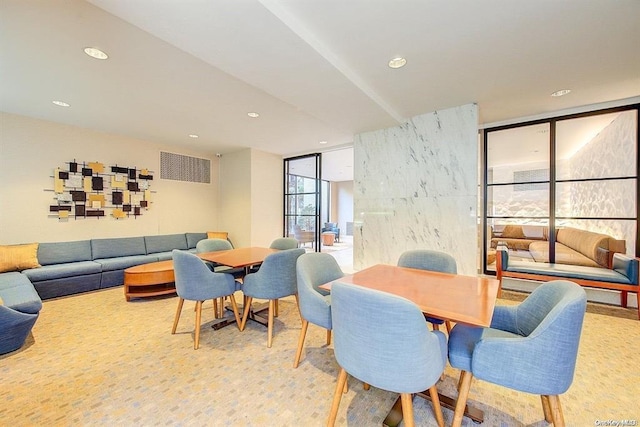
(394, 417)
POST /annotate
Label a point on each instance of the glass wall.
(302, 199)
(575, 172)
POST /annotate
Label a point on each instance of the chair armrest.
(626, 266)
(504, 318)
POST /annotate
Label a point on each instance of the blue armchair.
(195, 282)
(423, 259)
(313, 270)
(284, 243)
(275, 279)
(531, 347)
(383, 340)
(333, 228)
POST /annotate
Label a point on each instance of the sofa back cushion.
(118, 247)
(194, 238)
(165, 243)
(583, 241)
(64, 252)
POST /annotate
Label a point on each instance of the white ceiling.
(315, 70)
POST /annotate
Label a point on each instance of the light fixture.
(323, 142)
(95, 53)
(253, 115)
(60, 103)
(397, 62)
(560, 92)
(193, 135)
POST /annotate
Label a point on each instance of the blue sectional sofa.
(20, 306)
(68, 268)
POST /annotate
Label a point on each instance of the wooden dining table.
(458, 298)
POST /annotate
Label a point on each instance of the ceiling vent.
(179, 167)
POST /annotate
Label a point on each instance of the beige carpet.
(96, 360)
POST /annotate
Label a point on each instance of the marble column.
(416, 187)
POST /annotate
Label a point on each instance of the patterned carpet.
(96, 360)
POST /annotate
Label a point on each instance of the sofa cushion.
(569, 271)
(59, 271)
(118, 247)
(123, 262)
(564, 255)
(64, 252)
(19, 294)
(165, 243)
(194, 238)
(18, 257)
(585, 242)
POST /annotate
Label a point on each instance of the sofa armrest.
(626, 266)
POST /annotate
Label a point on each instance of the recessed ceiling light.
(193, 135)
(253, 115)
(397, 62)
(561, 92)
(60, 103)
(323, 142)
(95, 53)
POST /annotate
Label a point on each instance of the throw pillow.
(217, 235)
(18, 257)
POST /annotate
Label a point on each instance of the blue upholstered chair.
(423, 259)
(383, 340)
(313, 270)
(275, 279)
(284, 243)
(195, 282)
(531, 347)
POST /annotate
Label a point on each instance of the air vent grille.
(179, 167)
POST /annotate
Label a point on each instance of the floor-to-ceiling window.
(302, 199)
(571, 172)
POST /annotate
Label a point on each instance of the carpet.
(96, 360)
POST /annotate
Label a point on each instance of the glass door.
(302, 199)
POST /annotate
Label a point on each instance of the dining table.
(455, 297)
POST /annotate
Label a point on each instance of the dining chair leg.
(463, 394)
(272, 309)
(556, 411)
(447, 323)
(407, 409)
(328, 336)
(246, 310)
(215, 309)
(337, 396)
(276, 310)
(196, 342)
(436, 327)
(234, 306)
(366, 386)
(177, 318)
(298, 305)
(435, 401)
(546, 408)
(303, 333)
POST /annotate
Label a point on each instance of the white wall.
(416, 186)
(251, 197)
(31, 149)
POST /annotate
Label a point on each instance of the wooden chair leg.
(328, 336)
(246, 310)
(436, 327)
(196, 341)
(345, 389)
(366, 386)
(298, 305)
(463, 394)
(546, 408)
(234, 306)
(177, 318)
(556, 411)
(276, 310)
(216, 313)
(303, 333)
(337, 396)
(437, 409)
(407, 409)
(447, 323)
(272, 309)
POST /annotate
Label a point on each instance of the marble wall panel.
(415, 186)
